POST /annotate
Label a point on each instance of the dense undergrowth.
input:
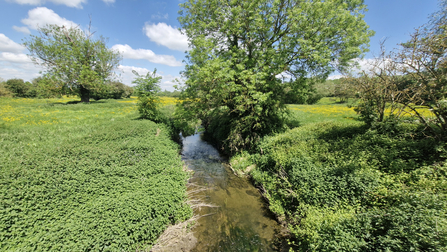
(340, 186)
(91, 179)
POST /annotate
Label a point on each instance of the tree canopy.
(83, 64)
(239, 48)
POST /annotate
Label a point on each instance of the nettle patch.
(114, 186)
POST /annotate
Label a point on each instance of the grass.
(325, 110)
(86, 176)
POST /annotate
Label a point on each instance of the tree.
(424, 60)
(411, 80)
(81, 63)
(380, 87)
(20, 88)
(238, 48)
(4, 91)
(147, 87)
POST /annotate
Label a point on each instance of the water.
(239, 219)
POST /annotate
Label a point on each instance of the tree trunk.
(85, 94)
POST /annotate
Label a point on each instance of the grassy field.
(327, 109)
(95, 177)
(77, 177)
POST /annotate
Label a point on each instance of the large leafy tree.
(74, 57)
(238, 49)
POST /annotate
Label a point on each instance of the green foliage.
(20, 88)
(167, 93)
(4, 91)
(342, 187)
(301, 93)
(73, 58)
(147, 86)
(48, 86)
(106, 183)
(240, 47)
(112, 90)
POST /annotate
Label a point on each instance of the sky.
(146, 32)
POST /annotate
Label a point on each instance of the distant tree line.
(44, 87)
(167, 93)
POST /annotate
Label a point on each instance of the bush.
(112, 90)
(4, 91)
(20, 88)
(343, 187)
(147, 87)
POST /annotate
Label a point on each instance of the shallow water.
(240, 219)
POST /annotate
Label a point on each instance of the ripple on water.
(239, 221)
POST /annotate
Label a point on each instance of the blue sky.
(146, 31)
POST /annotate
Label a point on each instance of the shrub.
(20, 88)
(344, 187)
(4, 91)
(147, 86)
(112, 90)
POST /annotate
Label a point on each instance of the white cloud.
(108, 1)
(15, 57)
(69, 3)
(18, 66)
(42, 16)
(21, 29)
(130, 53)
(14, 63)
(167, 81)
(166, 35)
(7, 45)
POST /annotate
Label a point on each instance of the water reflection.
(241, 221)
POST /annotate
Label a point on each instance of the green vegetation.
(326, 109)
(340, 186)
(80, 177)
(46, 87)
(97, 177)
(407, 79)
(4, 91)
(20, 88)
(339, 181)
(166, 93)
(73, 60)
(240, 47)
(147, 87)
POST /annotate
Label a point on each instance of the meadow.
(96, 177)
(77, 177)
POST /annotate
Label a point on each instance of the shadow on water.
(240, 220)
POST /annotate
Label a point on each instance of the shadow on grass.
(293, 123)
(343, 132)
(76, 102)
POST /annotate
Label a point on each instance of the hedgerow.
(343, 187)
(113, 185)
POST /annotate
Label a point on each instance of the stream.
(234, 216)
